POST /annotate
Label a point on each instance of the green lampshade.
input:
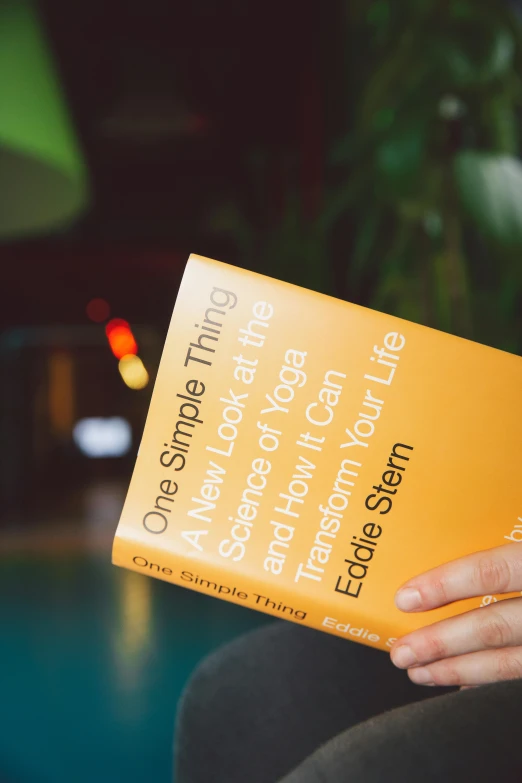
(43, 179)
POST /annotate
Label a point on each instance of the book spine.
(249, 591)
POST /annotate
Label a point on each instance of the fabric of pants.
(290, 704)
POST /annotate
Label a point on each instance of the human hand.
(480, 646)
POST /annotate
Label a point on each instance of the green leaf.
(441, 294)
(490, 189)
(399, 295)
(379, 13)
(476, 52)
(367, 235)
(502, 119)
(399, 158)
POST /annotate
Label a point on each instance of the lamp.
(43, 179)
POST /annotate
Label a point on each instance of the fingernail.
(421, 676)
(404, 656)
(408, 599)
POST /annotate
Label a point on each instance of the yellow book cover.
(304, 456)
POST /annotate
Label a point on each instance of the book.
(304, 456)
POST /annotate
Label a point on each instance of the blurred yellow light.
(136, 614)
(61, 392)
(133, 638)
(133, 372)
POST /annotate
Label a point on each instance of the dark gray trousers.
(288, 703)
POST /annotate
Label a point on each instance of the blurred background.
(365, 149)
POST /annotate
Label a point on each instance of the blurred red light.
(120, 337)
(113, 323)
(98, 310)
(122, 342)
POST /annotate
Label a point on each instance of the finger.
(475, 669)
(491, 571)
(492, 627)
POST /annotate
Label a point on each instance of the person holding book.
(303, 456)
(294, 705)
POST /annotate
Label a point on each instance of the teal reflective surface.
(92, 662)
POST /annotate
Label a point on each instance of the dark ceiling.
(168, 96)
(169, 100)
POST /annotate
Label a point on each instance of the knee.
(220, 702)
(236, 678)
(199, 699)
(219, 687)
